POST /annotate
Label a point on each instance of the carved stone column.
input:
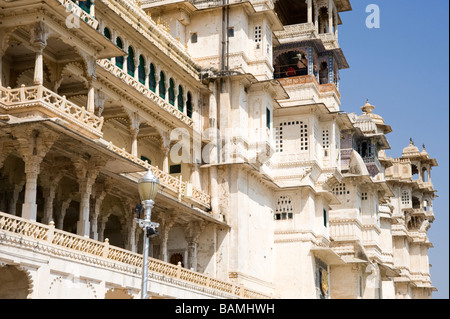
(62, 213)
(34, 143)
(101, 229)
(39, 43)
(130, 235)
(167, 223)
(192, 233)
(90, 107)
(165, 147)
(310, 13)
(99, 195)
(195, 175)
(135, 122)
(100, 102)
(330, 16)
(49, 179)
(14, 197)
(87, 172)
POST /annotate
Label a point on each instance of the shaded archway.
(291, 63)
(15, 283)
(118, 293)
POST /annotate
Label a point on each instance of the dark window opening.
(323, 20)
(175, 169)
(323, 73)
(194, 38)
(141, 69)
(107, 33)
(180, 99)
(171, 92)
(162, 85)
(189, 109)
(176, 258)
(119, 59)
(130, 61)
(85, 5)
(230, 32)
(268, 118)
(152, 78)
(292, 12)
(146, 159)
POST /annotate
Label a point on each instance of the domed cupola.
(411, 150)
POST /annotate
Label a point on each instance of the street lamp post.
(148, 188)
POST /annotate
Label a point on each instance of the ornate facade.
(268, 189)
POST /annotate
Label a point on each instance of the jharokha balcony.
(26, 101)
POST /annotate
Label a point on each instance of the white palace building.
(267, 188)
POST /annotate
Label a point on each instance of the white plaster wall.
(251, 234)
(343, 282)
(294, 270)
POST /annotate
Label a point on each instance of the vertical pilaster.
(330, 16)
(310, 13)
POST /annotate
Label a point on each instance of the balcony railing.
(297, 32)
(101, 251)
(74, 9)
(174, 184)
(155, 98)
(27, 98)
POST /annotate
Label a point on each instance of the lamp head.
(151, 232)
(148, 186)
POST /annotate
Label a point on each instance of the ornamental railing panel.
(15, 100)
(174, 184)
(59, 240)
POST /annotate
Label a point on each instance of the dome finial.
(367, 108)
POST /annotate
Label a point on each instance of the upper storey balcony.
(311, 19)
(308, 51)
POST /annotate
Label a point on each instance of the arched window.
(130, 61)
(189, 105)
(119, 59)
(85, 5)
(162, 85)
(152, 78)
(107, 33)
(141, 69)
(171, 92)
(180, 99)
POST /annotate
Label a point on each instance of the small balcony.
(305, 89)
(373, 165)
(297, 32)
(23, 101)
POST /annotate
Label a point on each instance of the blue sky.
(403, 69)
